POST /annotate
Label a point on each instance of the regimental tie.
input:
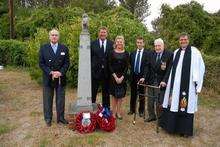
(158, 58)
(137, 64)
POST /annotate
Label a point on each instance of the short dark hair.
(140, 38)
(183, 34)
(103, 28)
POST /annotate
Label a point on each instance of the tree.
(140, 8)
(190, 18)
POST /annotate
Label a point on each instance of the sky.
(210, 6)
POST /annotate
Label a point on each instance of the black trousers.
(48, 94)
(133, 100)
(104, 83)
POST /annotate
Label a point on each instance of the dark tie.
(102, 47)
(158, 58)
(137, 64)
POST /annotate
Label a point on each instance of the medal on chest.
(163, 65)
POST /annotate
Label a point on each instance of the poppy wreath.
(105, 119)
(85, 125)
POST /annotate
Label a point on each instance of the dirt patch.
(22, 124)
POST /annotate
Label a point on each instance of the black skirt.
(118, 90)
(177, 122)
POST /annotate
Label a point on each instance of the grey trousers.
(48, 94)
(151, 102)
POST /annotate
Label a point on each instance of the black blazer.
(99, 59)
(144, 69)
(158, 71)
(49, 61)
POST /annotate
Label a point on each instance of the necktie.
(103, 48)
(158, 58)
(54, 48)
(137, 64)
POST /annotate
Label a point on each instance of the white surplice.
(197, 71)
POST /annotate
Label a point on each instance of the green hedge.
(212, 75)
(18, 53)
(13, 52)
(119, 22)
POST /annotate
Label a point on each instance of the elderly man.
(184, 83)
(160, 60)
(54, 62)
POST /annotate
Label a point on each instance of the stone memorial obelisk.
(84, 89)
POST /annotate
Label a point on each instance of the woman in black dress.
(118, 65)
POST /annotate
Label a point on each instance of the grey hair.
(54, 30)
(159, 40)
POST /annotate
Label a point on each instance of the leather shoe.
(63, 121)
(48, 123)
(141, 114)
(130, 113)
(119, 117)
(149, 119)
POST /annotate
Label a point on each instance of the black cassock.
(179, 122)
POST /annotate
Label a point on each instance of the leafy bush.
(45, 18)
(119, 22)
(212, 76)
(13, 52)
(191, 18)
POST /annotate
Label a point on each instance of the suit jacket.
(99, 59)
(158, 70)
(144, 68)
(49, 61)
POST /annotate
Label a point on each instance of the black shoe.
(141, 114)
(149, 119)
(130, 113)
(119, 117)
(63, 121)
(48, 123)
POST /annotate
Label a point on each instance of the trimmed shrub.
(13, 52)
(212, 76)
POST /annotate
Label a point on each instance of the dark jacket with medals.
(159, 69)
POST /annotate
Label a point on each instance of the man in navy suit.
(139, 73)
(54, 62)
(160, 61)
(100, 48)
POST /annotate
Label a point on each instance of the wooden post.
(11, 18)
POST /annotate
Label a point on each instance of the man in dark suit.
(160, 62)
(100, 49)
(54, 62)
(139, 73)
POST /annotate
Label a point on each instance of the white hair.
(54, 31)
(158, 41)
